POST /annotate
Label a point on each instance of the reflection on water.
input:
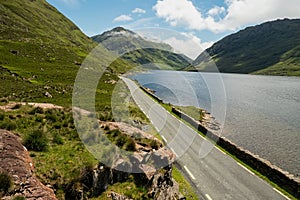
(262, 112)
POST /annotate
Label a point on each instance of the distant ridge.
(272, 48)
(141, 51)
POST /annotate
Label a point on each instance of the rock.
(15, 160)
(47, 94)
(116, 196)
(15, 52)
(150, 168)
(164, 187)
(46, 87)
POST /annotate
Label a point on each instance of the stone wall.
(151, 94)
(282, 178)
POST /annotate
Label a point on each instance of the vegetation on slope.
(140, 51)
(39, 48)
(40, 54)
(270, 48)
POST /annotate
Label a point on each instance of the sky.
(200, 22)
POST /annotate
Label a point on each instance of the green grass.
(192, 111)
(64, 149)
(271, 48)
(40, 51)
(60, 162)
(185, 187)
(141, 51)
(36, 141)
(258, 174)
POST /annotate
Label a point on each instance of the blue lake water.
(259, 113)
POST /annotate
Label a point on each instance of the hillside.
(140, 51)
(272, 48)
(41, 52)
(39, 47)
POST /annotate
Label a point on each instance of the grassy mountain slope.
(41, 52)
(141, 51)
(270, 48)
(38, 47)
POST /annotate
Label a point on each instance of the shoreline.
(284, 179)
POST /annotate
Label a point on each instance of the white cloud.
(238, 13)
(123, 18)
(189, 45)
(215, 11)
(179, 12)
(139, 10)
(182, 42)
(256, 11)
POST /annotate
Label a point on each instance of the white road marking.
(200, 136)
(215, 146)
(189, 172)
(163, 137)
(245, 168)
(174, 152)
(208, 197)
(221, 151)
(281, 193)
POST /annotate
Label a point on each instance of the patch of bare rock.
(15, 160)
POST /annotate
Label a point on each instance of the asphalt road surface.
(215, 175)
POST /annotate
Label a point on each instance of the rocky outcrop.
(150, 168)
(10, 106)
(161, 185)
(164, 187)
(15, 160)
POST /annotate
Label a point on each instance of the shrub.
(36, 110)
(130, 145)
(4, 100)
(106, 128)
(57, 139)
(114, 133)
(12, 117)
(57, 125)
(38, 119)
(3, 125)
(51, 117)
(16, 106)
(36, 141)
(10, 126)
(5, 182)
(2, 116)
(154, 145)
(73, 191)
(121, 140)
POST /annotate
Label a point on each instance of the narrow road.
(216, 175)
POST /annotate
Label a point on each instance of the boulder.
(15, 160)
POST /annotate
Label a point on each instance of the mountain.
(272, 48)
(136, 49)
(40, 52)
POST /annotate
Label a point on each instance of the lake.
(259, 113)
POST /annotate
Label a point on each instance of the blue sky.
(202, 21)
